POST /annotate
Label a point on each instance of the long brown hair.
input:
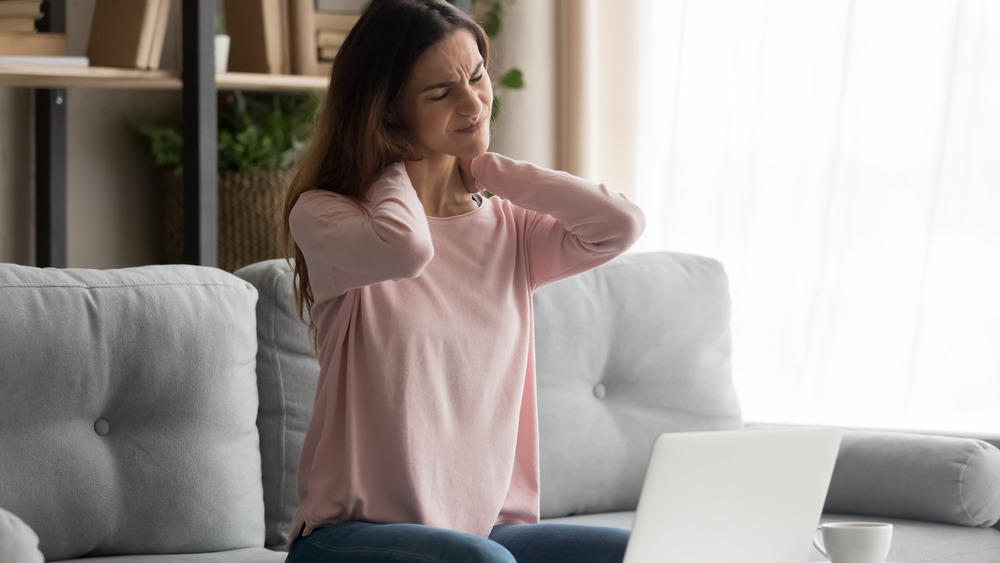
(355, 136)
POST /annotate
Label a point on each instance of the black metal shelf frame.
(200, 150)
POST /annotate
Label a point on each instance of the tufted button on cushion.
(600, 391)
(101, 426)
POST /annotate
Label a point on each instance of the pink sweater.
(425, 407)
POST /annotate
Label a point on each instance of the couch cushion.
(287, 373)
(18, 542)
(245, 555)
(918, 477)
(625, 352)
(128, 403)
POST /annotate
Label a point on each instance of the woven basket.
(248, 213)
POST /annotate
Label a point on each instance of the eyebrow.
(439, 85)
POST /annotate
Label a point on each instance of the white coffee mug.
(854, 542)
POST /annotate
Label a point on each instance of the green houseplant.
(257, 132)
(259, 138)
(490, 16)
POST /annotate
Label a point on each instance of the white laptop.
(745, 496)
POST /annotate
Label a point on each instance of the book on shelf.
(121, 32)
(21, 9)
(257, 39)
(17, 25)
(348, 6)
(329, 21)
(33, 44)
(332, 39)
(332, 28)
(159, 35)
(283, 35)
(302, 38)
(34, 62)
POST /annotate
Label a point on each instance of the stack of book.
(287, 36)
(331, 30)
(18, 37)
(128, 33)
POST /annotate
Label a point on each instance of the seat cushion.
(128, 402)
(246, 555)
(625, 352)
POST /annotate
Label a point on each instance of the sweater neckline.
(479, 199)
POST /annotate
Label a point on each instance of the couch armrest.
(920, 477)
(917, 476)
(18, 542)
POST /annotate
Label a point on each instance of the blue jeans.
(363, 542)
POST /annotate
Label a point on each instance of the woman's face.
(447, 100)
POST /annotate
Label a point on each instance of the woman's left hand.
(465, 171)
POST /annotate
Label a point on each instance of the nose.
(470, 103)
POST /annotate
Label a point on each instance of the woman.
(423, 442)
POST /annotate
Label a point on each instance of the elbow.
(631, 224)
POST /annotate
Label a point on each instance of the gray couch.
(155, 414)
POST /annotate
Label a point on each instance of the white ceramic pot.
(221, 53)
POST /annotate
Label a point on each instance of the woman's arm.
(360, 247)
(578, 224)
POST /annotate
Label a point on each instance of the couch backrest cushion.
(625, 352)
(128, 403)
(287, 374)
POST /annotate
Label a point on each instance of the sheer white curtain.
(842, 159)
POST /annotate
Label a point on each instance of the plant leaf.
(493, 20)
(513, 79)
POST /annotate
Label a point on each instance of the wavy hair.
(355, 136)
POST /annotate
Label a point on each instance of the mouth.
(474, 127)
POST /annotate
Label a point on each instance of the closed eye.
(477, 75)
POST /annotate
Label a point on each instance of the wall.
(526, 129)
(113, 196)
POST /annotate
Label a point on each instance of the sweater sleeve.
(361, 244)
(576, 224)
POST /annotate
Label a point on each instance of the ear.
(391, 117)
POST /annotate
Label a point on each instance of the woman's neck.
(439, 186)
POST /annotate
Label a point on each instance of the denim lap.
(562, 543)
(364, 542)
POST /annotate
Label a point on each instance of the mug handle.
(816, 542)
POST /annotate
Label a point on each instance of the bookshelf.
(198, 84)
(130, 79)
